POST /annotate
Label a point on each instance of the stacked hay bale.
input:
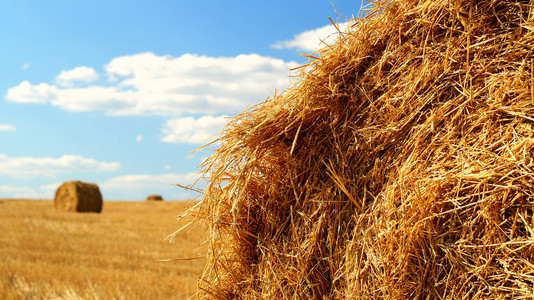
(78, 196)
(400, 165)
(154, 198)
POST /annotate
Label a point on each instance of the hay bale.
(78, 196)
(400, 165)
(154, 198)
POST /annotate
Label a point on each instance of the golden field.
(117, 254)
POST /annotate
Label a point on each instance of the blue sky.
(120, 92)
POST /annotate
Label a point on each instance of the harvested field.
(48, 254)
(400, 165)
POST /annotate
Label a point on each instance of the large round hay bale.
(154, 198)
(400, 165)
(78, 196)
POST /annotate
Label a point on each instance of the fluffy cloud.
(7, 127)
(144, 181)
(25, 92)
(141, 185)
(24, 192)
(139, 137)
(311, 40)
(17, 191)
(191, 130)
(148, 84)
(78, 74)
(32, 167)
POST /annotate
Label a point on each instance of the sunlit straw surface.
(400, 165)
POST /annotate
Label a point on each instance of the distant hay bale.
(399, 165)
(78, 196)
(154, 198)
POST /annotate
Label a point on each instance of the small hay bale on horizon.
(399, 165)
(78, 196)
(154, 198)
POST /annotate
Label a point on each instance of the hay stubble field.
(117, 254)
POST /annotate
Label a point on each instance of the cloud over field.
(7, 127)
(38, 167)
(138, 186)
(25, 192)
(18, 191)
(145, 181)
(133, 187)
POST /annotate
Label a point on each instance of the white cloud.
(25, 66)
(141, 185)
(25, 92)
(50, 189)
(148, 84)
(144, 181)
(15, 190)
(80, 74)
(191, 130)
(311, 40)
(7, 127)
(44, 192)
(139, 137)
(35, 167)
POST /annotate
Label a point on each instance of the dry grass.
(113, 255)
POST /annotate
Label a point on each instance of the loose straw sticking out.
(400, 165)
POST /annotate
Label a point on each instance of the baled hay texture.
(400, 165)
(78, 196)
(154, 198)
